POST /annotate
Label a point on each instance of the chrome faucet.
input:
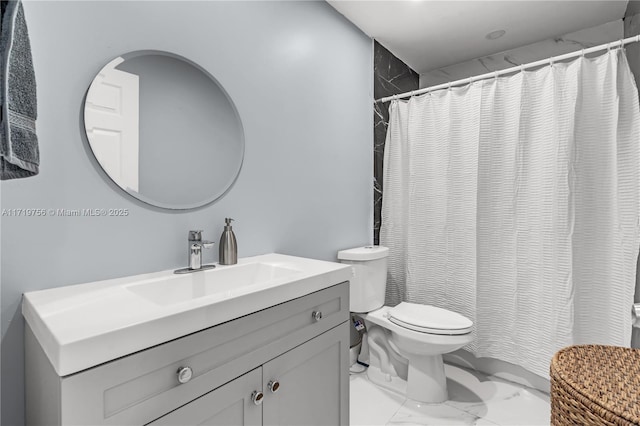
(195, 253)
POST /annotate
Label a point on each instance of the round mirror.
(164, 130)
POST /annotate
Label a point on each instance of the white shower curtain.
(515, 201)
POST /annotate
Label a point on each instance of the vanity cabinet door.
(313, 382)
(229, 405)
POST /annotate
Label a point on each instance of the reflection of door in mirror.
(111, 121)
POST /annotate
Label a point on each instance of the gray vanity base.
(308, 357)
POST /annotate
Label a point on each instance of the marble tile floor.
(475, 399)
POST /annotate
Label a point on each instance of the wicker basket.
(595, 385)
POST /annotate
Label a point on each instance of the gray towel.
(19, 154)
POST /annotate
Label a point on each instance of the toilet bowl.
(405, 342)
(423, 350)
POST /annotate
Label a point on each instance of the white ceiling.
(428, 35)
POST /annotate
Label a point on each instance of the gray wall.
(301, 78)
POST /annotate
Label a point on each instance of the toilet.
(405, 343)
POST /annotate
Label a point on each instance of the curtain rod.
(470, 80)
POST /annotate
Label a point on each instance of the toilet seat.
(429, 319)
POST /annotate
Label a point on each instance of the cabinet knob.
(273, 386)
(184, 374)
(317, 315)
(257, 397)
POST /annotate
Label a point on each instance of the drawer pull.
(317, 315)
(273, 386)
(184, 374)
(257, 397)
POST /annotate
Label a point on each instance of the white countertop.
(84, 325)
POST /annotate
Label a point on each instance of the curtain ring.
(495, 75)
(551, 61)
(582, 53)
(608, 47)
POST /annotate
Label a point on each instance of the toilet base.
(426, 381)
(387, 381)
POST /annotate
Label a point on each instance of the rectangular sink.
(84, 325)
(223, 281)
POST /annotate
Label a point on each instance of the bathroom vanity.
(265, 341)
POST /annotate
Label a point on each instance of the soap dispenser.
(228, 245)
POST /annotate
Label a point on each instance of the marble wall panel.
(391, 77)
(632, 28)
(561, 45)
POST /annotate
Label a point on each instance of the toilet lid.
(429, 319)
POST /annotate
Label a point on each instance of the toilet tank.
(369, 282)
